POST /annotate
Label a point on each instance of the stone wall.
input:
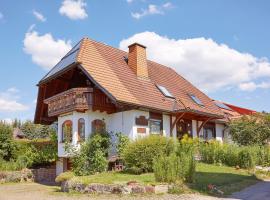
(44, 174)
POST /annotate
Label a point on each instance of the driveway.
(259, 191)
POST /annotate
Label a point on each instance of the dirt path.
(34, 191)
(259, 191)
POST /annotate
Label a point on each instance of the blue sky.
(220, 46)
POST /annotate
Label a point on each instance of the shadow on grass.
(225, 182)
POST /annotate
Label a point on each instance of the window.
(98, 126)
(222, 105)
(81, 130)
(164, 91)
(209, 131)
(155, 126)
(67, 131)
(155, 123)
(196, 99)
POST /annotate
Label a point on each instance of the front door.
(184, 126)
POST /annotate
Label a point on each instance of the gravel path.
(34, 191)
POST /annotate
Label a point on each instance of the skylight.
(222, 105)
(196, 99)
(164, 91)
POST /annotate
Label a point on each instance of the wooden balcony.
(76, 99)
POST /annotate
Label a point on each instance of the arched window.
(81, 130)
(98, 126)
(67, 131)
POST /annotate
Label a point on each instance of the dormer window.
(196, 99)
(165, 92)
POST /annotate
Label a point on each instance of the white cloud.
(1, 16)
(9, 101)
(130, 1)
(152, 10)
(44, 49)
(251, 86)
(204, 62)
(73, 9)
(39, 16)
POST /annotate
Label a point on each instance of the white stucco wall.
(194, 128)
(166, 125)
(219, 131)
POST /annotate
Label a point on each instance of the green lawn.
(225, 178)
(116, 177)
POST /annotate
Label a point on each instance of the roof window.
(165, 92)
(223, 106)
(196, 99)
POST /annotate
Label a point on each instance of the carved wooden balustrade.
(76, 99)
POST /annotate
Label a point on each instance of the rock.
(79, 187)
(137, 189)
(65, 186)
(161, 189)
(149, 189)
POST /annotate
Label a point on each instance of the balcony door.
(184, 126)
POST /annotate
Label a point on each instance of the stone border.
(96, 188)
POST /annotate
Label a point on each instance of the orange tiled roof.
(107, 66)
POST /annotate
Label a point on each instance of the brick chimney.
(137, 60)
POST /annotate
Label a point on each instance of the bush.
(212, 152)
(64, 177)
(178, 166)
(91, 157)
(246, 158)
(8, 147)
(251, 130)
(122, 143)
(141, 153)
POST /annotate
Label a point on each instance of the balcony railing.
(76, 99)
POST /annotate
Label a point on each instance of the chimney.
(137, 60)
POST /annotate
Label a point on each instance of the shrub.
(91, 157)
(122, 143)
(251, 130)
(64, 177)
(141, 153)
(212, 152)
(8, 147)
(175, 167)
(246, 158)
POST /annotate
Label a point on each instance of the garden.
(158, 164)
(153, 164)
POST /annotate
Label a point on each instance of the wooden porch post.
(172, 124)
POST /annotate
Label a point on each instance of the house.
(95, 86)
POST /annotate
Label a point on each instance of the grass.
(227, 179)
(116, 178)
